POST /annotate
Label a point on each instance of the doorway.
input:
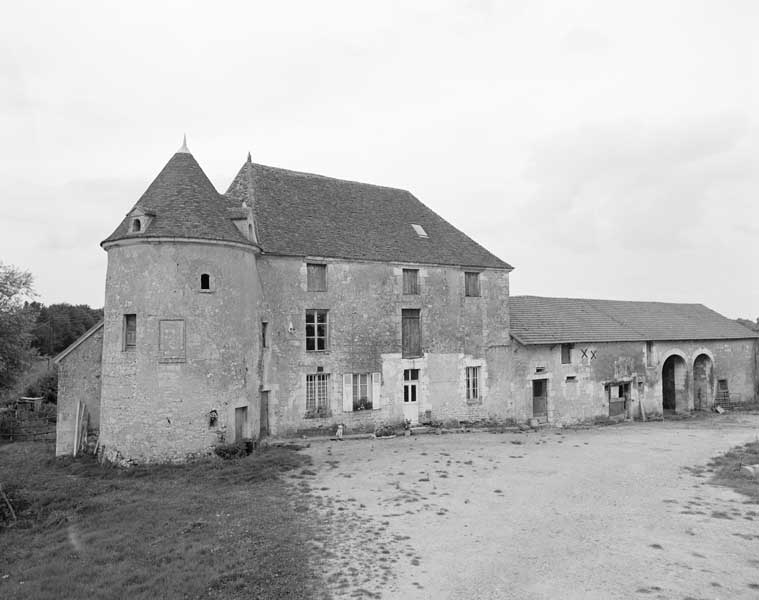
(241, 422)
(264, 427)
(703, 380)
(539, 398)
(674, 389)
(411, 395)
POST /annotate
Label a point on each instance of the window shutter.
(347, 392)
(376, 380)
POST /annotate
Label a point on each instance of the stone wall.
(78, 381)
(196, 352)
(578, 391)
(364, 301)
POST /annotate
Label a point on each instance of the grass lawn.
(210, 529)
(728, 470)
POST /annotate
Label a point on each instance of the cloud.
(580, 40)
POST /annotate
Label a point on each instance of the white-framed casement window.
(317, 393)
(317, 330)
(361, 391)
(473, 382)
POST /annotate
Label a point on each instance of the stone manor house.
(295, 302)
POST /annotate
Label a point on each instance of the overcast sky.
(604, 149)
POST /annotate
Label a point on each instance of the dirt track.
(612, 512)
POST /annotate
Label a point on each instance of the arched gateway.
(674, 386)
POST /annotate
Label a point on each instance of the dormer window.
(419, 230)
(139, 219)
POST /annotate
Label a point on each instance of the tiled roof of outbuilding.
(540, 320)
(185, 204)
(301, 214)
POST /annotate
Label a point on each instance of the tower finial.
(250, 159)
(184, 149)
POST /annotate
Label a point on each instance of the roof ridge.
(319, 176)
(612, 300)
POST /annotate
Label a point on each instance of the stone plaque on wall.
(171, 346)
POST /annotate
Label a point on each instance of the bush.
(45, 386)
(239, 449)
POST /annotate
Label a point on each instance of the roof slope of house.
(302, 214)
(540, 320)
(185, 204)
(78, 342)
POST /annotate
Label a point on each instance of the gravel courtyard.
(612, 512)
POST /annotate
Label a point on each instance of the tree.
(16, 323)
(59, 325)
(753, 326)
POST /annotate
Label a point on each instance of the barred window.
(317, 331)
(317, 391)
(472, 383)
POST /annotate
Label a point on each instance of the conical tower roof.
(183, 203)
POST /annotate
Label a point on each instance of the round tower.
(181, 327)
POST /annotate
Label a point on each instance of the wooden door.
(539, 397)
(241, 423)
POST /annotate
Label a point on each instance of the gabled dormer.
(139, 219)
(242, 190)
(244, 220)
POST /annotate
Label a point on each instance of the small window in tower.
(130, 332)
(205, 281)
(136, 226)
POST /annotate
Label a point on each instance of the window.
(411, 333)
(130, 332)
(571, 378)
(473, 383)
(362, 391)
(136, 226)
(471, 284)
(317, 393)
(540, 369)
(316, 330)
(316, 276)
(410, 384)
(264, 331)
(205, 281)
(411, 281)
(419, 230)
(650, 354)
(566, 353)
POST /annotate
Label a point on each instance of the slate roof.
(301, 214)
(186, 205)
(540, 320)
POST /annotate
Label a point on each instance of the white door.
(411, 395)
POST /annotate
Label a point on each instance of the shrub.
(238, 449)
(45, 386)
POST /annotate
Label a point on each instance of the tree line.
(29, 328)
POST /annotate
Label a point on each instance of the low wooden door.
(539, 397)
(264, 431)
(241, 423)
